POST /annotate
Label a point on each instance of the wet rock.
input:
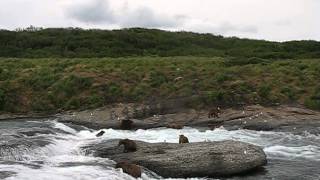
(35, 131)
(205, 159)
(101, 133)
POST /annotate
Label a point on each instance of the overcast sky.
(277, 20)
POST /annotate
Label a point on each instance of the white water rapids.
(60, 157)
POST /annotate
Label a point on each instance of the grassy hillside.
(70, 43)
(63, 84)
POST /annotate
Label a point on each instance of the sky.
(276, 20)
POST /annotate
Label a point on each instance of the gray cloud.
(225, 28)
(145, 17)
(98, 11)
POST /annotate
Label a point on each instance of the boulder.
(170, 160)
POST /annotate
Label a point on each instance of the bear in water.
(129, 145)
(183, 139)
(100, 134)
(214, 113)
(131, 169)
(126, 124)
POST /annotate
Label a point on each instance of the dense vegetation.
(62, 84)
(75, 42)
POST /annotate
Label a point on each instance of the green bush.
(157, 78)
(289, 92)
(73, 103)
(222, 77)
(72, 85)
(240, 61)
(2, 99)
(313, 102)
(214, 97)
(264, 92)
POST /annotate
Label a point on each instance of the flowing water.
(40, 150)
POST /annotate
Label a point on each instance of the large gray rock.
(205, 159)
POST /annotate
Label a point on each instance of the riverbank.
(295, 119)
(281, 118)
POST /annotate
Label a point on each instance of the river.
(49, 150)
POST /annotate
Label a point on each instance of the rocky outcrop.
(280, 118)
(205, 159)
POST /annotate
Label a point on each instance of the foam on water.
(63, 159)
(64, 127)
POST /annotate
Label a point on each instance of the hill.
(75, 42)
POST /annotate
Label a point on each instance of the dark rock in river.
(205, 159)
(101, 133)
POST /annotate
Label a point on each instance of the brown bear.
(125, 124)
(131, 169)
(129, 145)
(214, 113)
(100, 134)
(183, 139)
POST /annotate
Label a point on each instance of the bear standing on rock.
(214, 113)
(129, 145)
(131, 169)
(125, 124)
(183, 139)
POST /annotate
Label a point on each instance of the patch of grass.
(63, 84)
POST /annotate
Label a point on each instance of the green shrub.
(289, 92)
(240, 61)
(42, 79)
(222, 77)
(313, 102)
(214, 97)
(72, 85)
(157, 78)
(95, 101)
(73, 103)
(264, 92)
(2, 99)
